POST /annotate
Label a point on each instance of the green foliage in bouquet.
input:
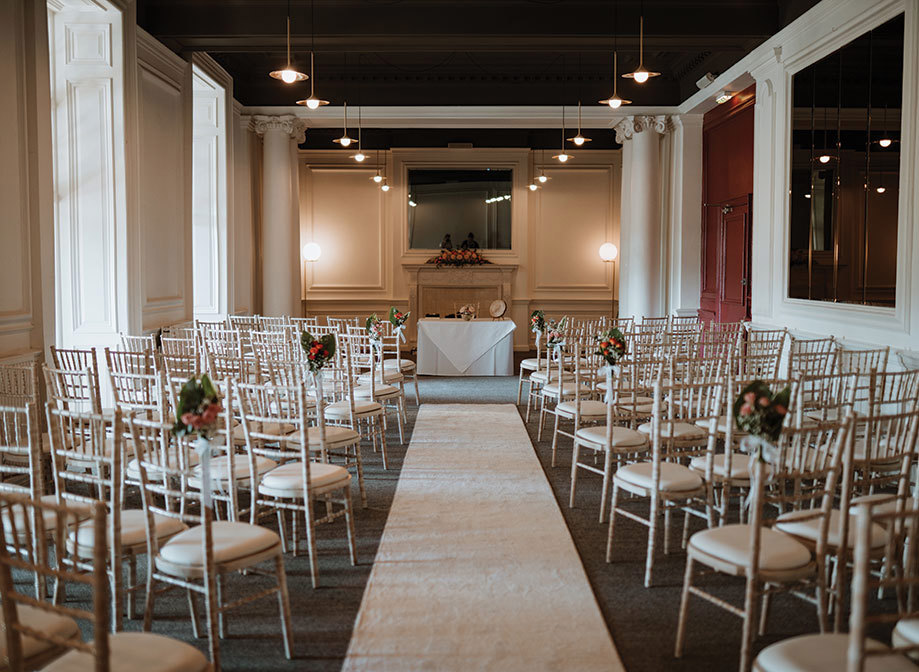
(611, 345)
(759, 412)
(198, 408)
(319, 351)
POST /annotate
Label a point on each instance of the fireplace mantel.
(437, 290)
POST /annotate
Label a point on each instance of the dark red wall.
(727, 177)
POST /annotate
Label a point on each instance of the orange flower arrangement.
(458, 258)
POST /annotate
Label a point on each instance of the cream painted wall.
(364, 237)
(244, 221)
(164, 212)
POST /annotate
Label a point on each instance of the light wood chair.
(197, 559)
(138, 343)
(372, 386)
(579, 410)
(761, 354)
(42, 635)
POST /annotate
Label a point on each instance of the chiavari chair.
(43, 635)
(538, 378)
(266, 323)
(135, 343)
(197, 559)
(136, 383)
(564, 388)
(374, 384)
(580, 410)
(803, 476)
(810, 357)
(761, 354)
(300, 480)
(79, 361)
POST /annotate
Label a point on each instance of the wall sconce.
(608, 253)
(311, 252)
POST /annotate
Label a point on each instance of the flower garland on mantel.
(458, 258)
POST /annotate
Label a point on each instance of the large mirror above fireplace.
(472, 207)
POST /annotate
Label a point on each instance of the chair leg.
(519, 385)
(765, 607)
(400, 415)
(667, 511)
(684, 610)
(746, 644)
(554, 441)
(612, 523)
(652, 537)
(542, 417)
(607, 475)
(221, 621)
(379, 428)
(574, 472)
(212, 601)
(349, 521)
(360, 475)
(417, 396)
(283, 603)
(311, 543)
(193, 612)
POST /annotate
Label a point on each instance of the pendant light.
(344, 140)
(379, 177)
(614, 101)
(312, 102)
(562, 156)
(885, 141)
(542, 178)
(360, 156)
(579, 139)
(640, 74)
(288, 75)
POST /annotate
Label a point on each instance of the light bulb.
(824, 159)
(345, 141)
(533, 187)
(880, 190)
(543, 178)
(288, 76)
(885, 142)
(615, 102)
(385, 187)
(359, 157)
(311, 252)
(413, 204)
(377, 178)
(312, 103)
(563, 157)
(807, 195)
(608, 252)
(578, 140)
(641, 76)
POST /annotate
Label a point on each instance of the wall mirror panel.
(845, 172)
(459, 207)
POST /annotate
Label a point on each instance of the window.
(845, 172)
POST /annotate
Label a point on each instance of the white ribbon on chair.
(608, 370)
(205, 452)
(400, 330)
(759, 449)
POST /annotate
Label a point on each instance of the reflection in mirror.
(845, 172)
(457, 208)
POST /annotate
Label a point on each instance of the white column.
(280, 239)
(643, 265)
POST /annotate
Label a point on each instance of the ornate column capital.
(293, 126)
(629, 126)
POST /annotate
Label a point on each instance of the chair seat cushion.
(48, 516)
(339, 410)
(721, 426)
(335, 435)
(888, 503)
(532, 364)
(741, 465)
(232, 541)
(543, 376)
(287, 480)
(810, 528)
(683, 431)
(623, 437)
(673, 477)
(132, 471)
(49, 623)
(133, 530)
(386, 377)
(272, 428)
(906, 633)
(823, 653)
(363, 391)
(241, 472)
(131, 651)
(590, 408)
(731, 543)
(568, 388)
(404, 365)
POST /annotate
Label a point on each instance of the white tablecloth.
(456, 347)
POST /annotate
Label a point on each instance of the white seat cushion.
(906, 633)
(623, 437)
(334, 435)
(741, 465)
(232, 541)
(532, 364)
(823, 653)
(590, 408)
(133, 530)
(363, 392)
(287, 480)
(272, 428)
(130, 651)
(568, 388)
(404, 365)
(49, 516)
(132, 471)
(240, 469)
(673, 477)
(810, 529)
(341, 409)
(543, 376)
(888, 505)
(731, 543)
(386, 376)
(49, 623)
(722, 425)
(676, 430)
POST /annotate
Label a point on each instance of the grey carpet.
(642, 621)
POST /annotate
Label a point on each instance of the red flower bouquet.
(611, 346)
(319, 351)
(198, 409)
(458, 258)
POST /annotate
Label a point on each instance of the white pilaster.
(643, 264)
(280, 244)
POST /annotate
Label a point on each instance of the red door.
(734, 266)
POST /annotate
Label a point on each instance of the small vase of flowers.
(467, 311)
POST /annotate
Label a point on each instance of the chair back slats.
(72, 360)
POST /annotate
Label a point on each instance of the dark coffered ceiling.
(467, 52)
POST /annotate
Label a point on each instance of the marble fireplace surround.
(437, 290)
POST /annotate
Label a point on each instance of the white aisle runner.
(476, 569)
